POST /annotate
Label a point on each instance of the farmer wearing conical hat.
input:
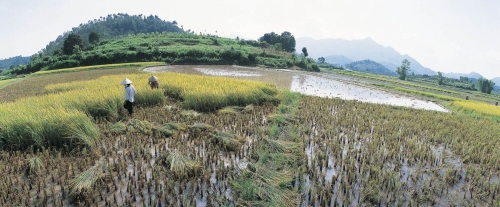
(153, 82)
(129, 95)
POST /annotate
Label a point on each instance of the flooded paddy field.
(316, 84)
(345, 153)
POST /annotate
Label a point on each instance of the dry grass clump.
(230, 110)
(282, 119)
(85, 182)
(227, 140)
(35, 166)
(133, 125)
(170, 129)
(118, 128)
(235, 109)
(136, 125)
(180, 166)
(200, 127)
(191, 113)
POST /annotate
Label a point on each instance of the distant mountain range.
(458, 75)
(496, 81)
(357, 50)
(7, 63)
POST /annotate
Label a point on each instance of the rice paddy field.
(65, 140)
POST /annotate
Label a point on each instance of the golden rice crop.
(483, 108)
(45, 119)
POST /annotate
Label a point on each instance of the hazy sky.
(444, 35)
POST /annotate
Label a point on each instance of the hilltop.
(114, 26)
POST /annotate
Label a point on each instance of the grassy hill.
(123, 38)
(172, 48)
(113, 26)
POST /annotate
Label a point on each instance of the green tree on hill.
(321, 60)
(70, 43)
(402, 70)
(485, 85)
(304, 51)
(440, 78)
(286, 40)
(93, 38)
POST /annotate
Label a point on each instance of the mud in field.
(316, 84)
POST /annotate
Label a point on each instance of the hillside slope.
(172, 48)
(113, 26)
(370, 67)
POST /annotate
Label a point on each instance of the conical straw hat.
(126, 81)
(152, 78)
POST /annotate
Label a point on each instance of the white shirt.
(130, 93)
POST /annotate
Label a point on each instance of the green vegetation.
(485, 86)
(123, 38)
(402, 70)
(110, 27)
(172, 48)
(285, 41)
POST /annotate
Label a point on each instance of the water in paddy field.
(308, 83)
(324, 87)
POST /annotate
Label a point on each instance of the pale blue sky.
(444, 35)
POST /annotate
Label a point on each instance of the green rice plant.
(50, 126)
(227, 140)
(84, 130)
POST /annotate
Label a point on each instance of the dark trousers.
(129, 106)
